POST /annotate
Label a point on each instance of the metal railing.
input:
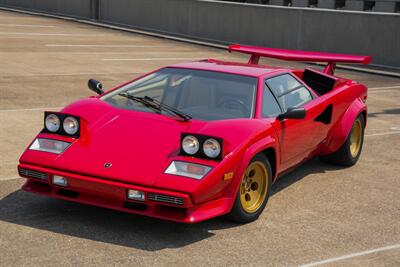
(391, 6)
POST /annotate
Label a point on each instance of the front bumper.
(173, 206)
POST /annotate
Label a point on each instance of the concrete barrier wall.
(293, 28)
(73, 8)
(376, 34)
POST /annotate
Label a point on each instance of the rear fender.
(338, 134)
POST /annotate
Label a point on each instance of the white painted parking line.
(384, 91)
(22, 17)
(349, 256)
(387, 87)
(384, 133)
(68, 74)
(107, 46)
(148, 59)
(9, 178)
(27, 25)
(51, 34)
(29, 109)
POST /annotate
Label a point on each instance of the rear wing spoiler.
(297, 55)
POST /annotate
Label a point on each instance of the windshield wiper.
(157, 105)
(141, 100)
(166, 107)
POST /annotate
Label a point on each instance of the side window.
(289, 91)
(270, 107)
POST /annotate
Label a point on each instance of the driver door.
(298, 138)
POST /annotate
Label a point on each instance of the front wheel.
(254, 191)
(349, 153)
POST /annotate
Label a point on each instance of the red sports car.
(197, 140)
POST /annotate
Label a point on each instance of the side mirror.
(95, 86)
(293, 113)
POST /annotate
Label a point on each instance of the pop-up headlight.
(49, 145)
(201, 146)
(62, 124)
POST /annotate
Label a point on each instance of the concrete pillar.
(330, 4)
(94, 9)
(300, 3)
(277, 2)
(383, 6)
(354, 5)
(257, 1)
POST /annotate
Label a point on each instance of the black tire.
(238, 213)
(343, 155)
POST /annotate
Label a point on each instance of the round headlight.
(211, 148)
(52, 123)
(190, 144)
(71, 125)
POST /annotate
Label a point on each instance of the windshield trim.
(253, 103)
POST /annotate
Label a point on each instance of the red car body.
(140, 146)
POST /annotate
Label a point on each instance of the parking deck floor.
(319, 212)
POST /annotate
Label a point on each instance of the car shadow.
(310, 167)
(123, 229)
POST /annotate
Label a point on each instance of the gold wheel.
(356, 138)
(253, 189)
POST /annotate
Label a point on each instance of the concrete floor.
(316, 213)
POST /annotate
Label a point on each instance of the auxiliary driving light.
(136, 195)
(59, 180)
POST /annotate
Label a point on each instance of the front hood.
(135, 144)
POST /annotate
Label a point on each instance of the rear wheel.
(254, 191)
(349, 153)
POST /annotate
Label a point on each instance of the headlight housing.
(62, 124)
(212, 148)
(190, 144)
(201, 146)
(188, 169)
(49, 145)
(71, 125)
(52, 123)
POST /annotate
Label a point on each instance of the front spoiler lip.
(112, 194)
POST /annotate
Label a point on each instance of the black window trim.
(289, 91)
(266, 87)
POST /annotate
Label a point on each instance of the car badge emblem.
(107, 165)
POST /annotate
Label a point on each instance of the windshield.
(204, 95)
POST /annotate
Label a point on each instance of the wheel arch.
(364, 114)
(270, 153)
(341, 130)
(267, 146)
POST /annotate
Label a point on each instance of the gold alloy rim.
(253, 189)
(355, 138)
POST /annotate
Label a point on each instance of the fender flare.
(338, 135)
(248, 155)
